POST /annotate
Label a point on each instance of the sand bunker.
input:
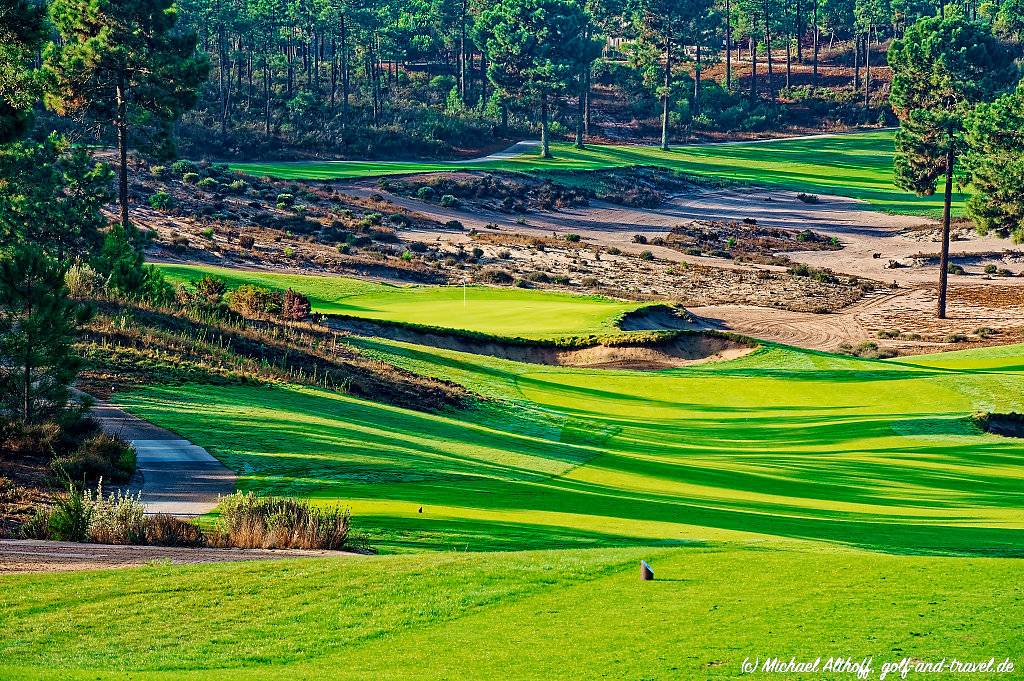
(683, 349)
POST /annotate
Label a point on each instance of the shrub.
(250, 300)
(295, 306)
(572, 238)
(477, 252)
(493, 275)
(399, 220)
(208, 183)
(985, 332)
(808, 198)
(991, 269)
(183, 166)
(647, 255)
(953, 268)
(286, 199)
(449, 201)
(99, 456)
(612, 250)
(289, 252)
(83, 281)
(190, 178)
(246, 241)
(71, 516)
(504, 254)
(453, 224)
(166, 530)
(158, 171)
(373, 218)
(639, 239)
(117, 518)
(239, 186)
(207, 233)
(407, 256)
(425, 193)
(161, 200)
(251, 521)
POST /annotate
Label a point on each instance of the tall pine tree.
(124, 64)
(941, 69)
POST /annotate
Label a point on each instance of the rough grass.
(531, 615)
(858, 166)
(499, 311)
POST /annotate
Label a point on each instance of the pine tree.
(536, 50)
(21, 32)
(122, 63)
(51, 196)
(38, 325)
(995, 165)
(941, 69)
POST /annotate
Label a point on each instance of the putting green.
(510, 312)
(858, 166)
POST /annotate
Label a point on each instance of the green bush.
(83, 281)
(161, 200)
(208, 183)
(647, 255)
(99, 456)
(449, 201)
(184, 167)
(71, 516)
(287, 199)
(158, 171)
(425, 193)
(190, 178)
(250, 300)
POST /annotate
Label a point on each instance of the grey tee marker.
(646, 573)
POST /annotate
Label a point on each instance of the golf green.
(509, 312)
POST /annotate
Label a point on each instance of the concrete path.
(174, 475)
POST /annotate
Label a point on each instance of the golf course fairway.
(857, 166)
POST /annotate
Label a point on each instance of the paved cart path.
(174, 475)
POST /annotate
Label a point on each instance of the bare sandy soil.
(30, 555)
(897, 252)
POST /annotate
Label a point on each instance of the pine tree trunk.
(121, 123)
(856, 63)
(753, 70)
(26, 377)
(462, 53)
(768, 48)
(581, 111)
(696, 81)
(728, 47)
(798, 30)
(817, 39)
(344, 73)
(665, 93)
(544, 142)
(789, 60)
(944, 256)
(586, 103)
(867, 69)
